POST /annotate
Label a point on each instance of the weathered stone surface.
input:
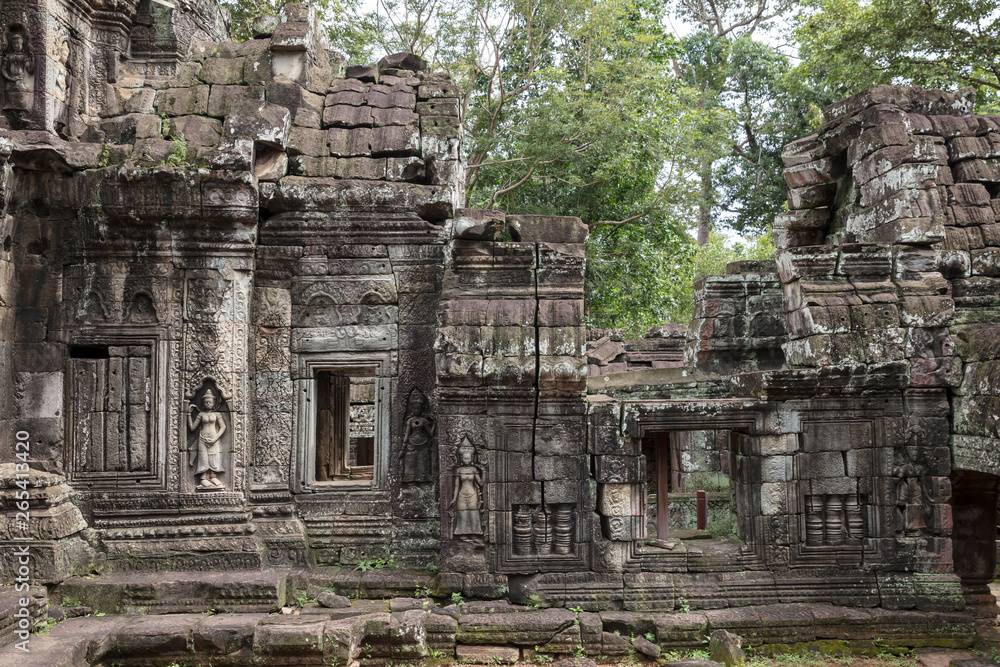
(487, 655)
(726, 648)
(332, 600)
(182, 101)
(258, 344)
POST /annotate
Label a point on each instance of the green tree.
(573, 107)
(593, 108)
(350, 30)
(639, 275)
(759, 102)
(774, 104)
(856, 44)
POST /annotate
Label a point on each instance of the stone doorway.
(974, 514)
(678, 465)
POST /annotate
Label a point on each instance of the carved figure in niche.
(60, 54)
(468, 499)
(141, 310)
(909, 468)
(210, 426)
(18, 69)
(75, 69)
(417, 436)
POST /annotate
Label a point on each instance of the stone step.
(238, 591)
(380, 636)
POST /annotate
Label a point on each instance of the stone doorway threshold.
(417, 629)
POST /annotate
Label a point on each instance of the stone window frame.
(156, 477)
(308, 365)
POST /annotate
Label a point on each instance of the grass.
(878, 658)
(825, 660)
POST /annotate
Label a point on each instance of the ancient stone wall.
(248, 326)
(878, 379)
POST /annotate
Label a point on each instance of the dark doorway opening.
(974, 516)
(345, 426)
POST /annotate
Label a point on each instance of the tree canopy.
(658, 124)
(855, 44)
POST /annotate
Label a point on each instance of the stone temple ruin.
(252, 347)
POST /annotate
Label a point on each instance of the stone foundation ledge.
(415, 629)
(266, 591)
(237, 591)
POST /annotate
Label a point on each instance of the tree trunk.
(705, 202)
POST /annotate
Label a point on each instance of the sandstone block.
(139, 101)
(434, 90)
(348, 97)
(824, 170)
(726, 648)
(183, 101)
(350, 142)
(348, 83)
(402, 61)
(611, 469)
(126, 129)
(966, 216)
(257, 67)
(967, 194)
(550, 468)
(801, 151)
(225, 99)
(487, 655)
(259, 121)
(445, 106)
(411, 169)
(342, 115)
(306, 141)
(291, 35)
(957, 239)
(968, 148)
(196, 130)
(382, 99)
(977, 171)
(816, 218)
(395, 140)
(646, 647)
(332, 600)
(225, 71)
(297, 639)
(927, 150)
(986, 262)
(873, 138)
(384, 117)
(949, 126)
(990, 234)
(604, 350)
(927, 311)
(904, 177)
(812, 196)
